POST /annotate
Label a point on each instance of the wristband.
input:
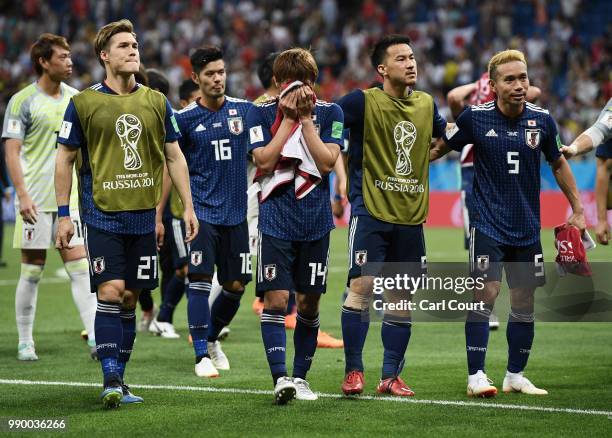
(63, 211)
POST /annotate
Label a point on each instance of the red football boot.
(394, 386)
(353, 383)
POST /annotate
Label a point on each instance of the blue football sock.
(222, 312)
(275, 341)
(355, 325)
(128, 323)
(172, 296)
(395, 337)
(291, 303)
(477, 338)
(109, 335)
(519, 333)
(198, 314)
(305, 341)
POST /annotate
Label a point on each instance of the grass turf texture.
(571, 360)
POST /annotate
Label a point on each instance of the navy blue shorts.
(175, 239)
(524, 265)
(374, 241)
(604, 150)
(292, 265)
(128, 257)
(227, 247)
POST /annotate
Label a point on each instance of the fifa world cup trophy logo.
(405, 135)
(128, 129)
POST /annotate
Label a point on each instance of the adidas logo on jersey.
(200, 128)
(491, 133)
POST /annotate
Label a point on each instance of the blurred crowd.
(568, 43)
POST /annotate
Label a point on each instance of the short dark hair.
(380, 48)
(158, 81)
(264, 71)
(204, 55)
(43, 48)
(187, 88)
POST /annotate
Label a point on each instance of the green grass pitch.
(572, 360)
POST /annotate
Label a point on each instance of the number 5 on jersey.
(513, 160)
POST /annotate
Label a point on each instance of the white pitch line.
(456, 403)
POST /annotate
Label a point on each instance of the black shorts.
(524, 265)
(227, 247)
(292, 265)
(128, 257)
(175, 239)
(374, 241)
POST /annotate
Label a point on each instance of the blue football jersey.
(282, 215)
(123, 222)
(353, 106)
(506, 187)
(604, 150)
(215, 146)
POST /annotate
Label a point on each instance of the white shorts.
(41, 235)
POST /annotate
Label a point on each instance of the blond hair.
(106, 33)
(504, 57)
(295, 64)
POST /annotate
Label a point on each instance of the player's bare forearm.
(340, 185)
(166, 188)
(580, 146)
(324, 155)
(64, 164)
(179, 173)
(565, 179)
(602, 181)
(533, 93)
(456, 98)
(438, 149)
(267, 156)
(11, 155)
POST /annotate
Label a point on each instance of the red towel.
(571, 255)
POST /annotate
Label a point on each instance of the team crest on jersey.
(98, 265)
(235, 125)
(532, 137)
(361, 257)
(269, 272)
(28, 234)
(482, 262)
(196, 258)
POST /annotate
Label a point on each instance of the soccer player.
(508, 135)
(31, 124)
(215, 145)
(397, 122)
(175, 286)
(595, 136)
(122, 133)
(476, 93)
(294, 233)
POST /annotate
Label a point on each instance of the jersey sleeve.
(184, 140)
(259, 131)
(332, 131)
(353, 108)
(604, 150)
(439, 123)
(71, 132)
(604, 122)
(16, 119)
(552, 142)
(462, 133)
(173, 132)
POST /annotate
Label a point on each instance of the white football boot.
(479, 385)
(302, 390)
(205, 368)
(516, 382)
(218, 357)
